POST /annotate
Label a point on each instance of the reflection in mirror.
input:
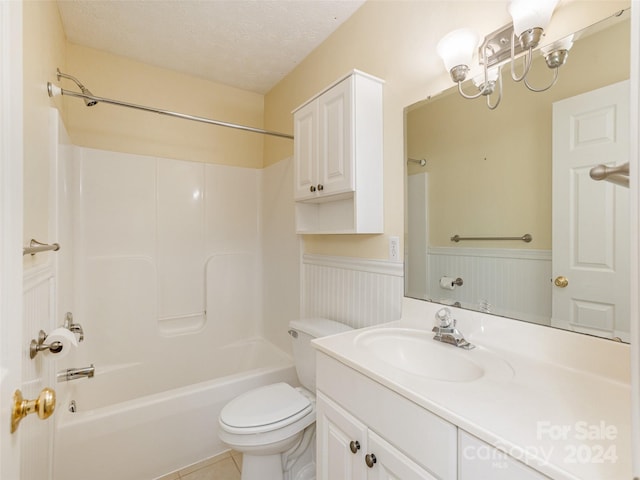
(492, 174)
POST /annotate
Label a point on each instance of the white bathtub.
(137, 423)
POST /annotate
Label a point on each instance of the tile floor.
(225, 466)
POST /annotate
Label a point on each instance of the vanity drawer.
(480, 461)
(422, 436)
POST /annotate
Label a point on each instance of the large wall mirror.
(493, 177)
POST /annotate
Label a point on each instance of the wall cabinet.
(338, 158)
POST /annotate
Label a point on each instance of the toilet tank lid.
(319, 327)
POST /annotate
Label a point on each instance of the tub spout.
(74, 373)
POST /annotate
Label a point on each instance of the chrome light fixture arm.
(493, 107)
(467, 96)
(527, 62)
(553, 82)
(554, 59)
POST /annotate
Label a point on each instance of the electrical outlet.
(394, 249)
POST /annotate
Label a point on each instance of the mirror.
(488, 174)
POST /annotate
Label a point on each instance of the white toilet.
(274, 426)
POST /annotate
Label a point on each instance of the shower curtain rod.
(55, 91)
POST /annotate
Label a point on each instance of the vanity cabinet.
(353, 421)
(480, 461)
(365, 431)
(338, 158)
(348, 449)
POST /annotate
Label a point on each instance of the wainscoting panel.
(511, 282)
(358, 292)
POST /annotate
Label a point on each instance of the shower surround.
(168, 285)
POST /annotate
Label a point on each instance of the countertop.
(562, 405)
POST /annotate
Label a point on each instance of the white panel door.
(390, 464)
(11, 155)
(591, 218)
(335, 112)
(341, 443)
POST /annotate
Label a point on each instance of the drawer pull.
(354, 446)
(370, 460)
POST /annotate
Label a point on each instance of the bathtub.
(139, 422)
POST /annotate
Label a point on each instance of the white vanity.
(527, 403)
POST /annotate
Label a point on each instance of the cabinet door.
(480, 461)
(336, 131)
(305, 168)
(338, 433)
(390, 464)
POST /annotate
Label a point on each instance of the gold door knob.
(561, 281)
(44, 406)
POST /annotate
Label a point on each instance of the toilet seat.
(265, 409)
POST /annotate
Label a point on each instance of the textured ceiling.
(248, 44)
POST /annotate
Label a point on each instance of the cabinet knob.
(354, 446)
(370, 460)
(312, 188)
(320, 187)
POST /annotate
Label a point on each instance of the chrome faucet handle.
(443, 318)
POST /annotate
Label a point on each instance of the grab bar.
(618, 175)
(37, 247)
(420, 161)
(525, 238)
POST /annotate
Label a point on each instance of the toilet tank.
(304, 355)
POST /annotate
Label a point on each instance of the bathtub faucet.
(74, 373)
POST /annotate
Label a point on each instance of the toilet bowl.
(265, 423)
(274, 426)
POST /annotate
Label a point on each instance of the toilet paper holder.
(39, 346)
(451, 282)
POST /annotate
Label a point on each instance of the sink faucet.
(74, 373)
(446, 331)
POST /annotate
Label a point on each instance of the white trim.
(519, 253)
(36, 275)
(634, 153)
(383, 267)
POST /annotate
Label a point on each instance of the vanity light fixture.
(530, 18)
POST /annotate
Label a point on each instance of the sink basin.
(417, 353)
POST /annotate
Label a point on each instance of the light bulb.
(457, 48)
(529, 14)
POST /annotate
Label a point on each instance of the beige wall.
(44, 50)
(120, 129)
(116, 128)
(392, 39)
(395, 40)
(496, 180)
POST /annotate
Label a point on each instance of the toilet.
(274, 426)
